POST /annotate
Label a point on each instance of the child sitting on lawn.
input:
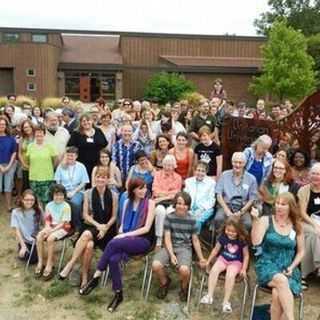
(57, 226)
(180, 233)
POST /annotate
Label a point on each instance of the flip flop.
(48, 275)
(38, 272)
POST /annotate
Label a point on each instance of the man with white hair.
(124, 151)
(236, 190)
(56, 135)
(259, 159)
(166, 184)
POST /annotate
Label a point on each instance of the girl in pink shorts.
(232, 255)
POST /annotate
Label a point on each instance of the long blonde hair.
(294, 210)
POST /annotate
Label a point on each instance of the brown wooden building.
(88, 64)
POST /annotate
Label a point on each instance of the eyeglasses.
(279, 168)
(29, 199)
(127, 104)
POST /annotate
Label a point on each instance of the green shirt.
(41, 161)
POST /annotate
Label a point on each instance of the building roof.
(85, 49)
(135, 34)
(226, 62)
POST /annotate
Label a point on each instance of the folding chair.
(269, 291)
(239, 279)
(105, 274)
(62, 254)
(189, 288)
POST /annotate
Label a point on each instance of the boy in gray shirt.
(180, 233)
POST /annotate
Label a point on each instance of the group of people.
(143, 178)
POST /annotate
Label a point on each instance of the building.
(87, 64)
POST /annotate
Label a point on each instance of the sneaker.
(226, 307)
(163, 290)
(206, 299)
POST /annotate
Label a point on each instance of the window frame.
(34, 87)
(39, 34)
(10, 40)
(31, 75)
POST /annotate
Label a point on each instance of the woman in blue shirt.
(8, 151)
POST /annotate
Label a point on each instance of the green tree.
(314, 51)
(303, 15)
(287, 70)
(168, 87)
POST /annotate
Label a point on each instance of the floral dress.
(278, 252)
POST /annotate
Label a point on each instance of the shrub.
(167, 87)
(193, 98)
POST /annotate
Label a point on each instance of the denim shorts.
(7, 179)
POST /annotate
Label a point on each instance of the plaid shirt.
(124, 155)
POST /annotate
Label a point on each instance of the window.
(31, 86)
(31, 72)
(10, 37)
(38, 37)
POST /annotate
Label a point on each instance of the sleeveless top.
(182, 164)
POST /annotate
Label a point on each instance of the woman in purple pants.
(135, 237)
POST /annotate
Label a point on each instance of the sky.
(164, 16)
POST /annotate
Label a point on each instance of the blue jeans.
(76, 207)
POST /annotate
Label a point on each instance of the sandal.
(38, 272)
(48, 275)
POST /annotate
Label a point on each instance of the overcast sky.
(168, 16)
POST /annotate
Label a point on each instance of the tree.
(167, 87)
(314, 51)
(287, 70)
(303, 15)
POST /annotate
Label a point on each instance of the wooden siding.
(44, 58)
(140, 51)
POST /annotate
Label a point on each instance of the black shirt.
(314, 203)
(208, 154)
(198, 122)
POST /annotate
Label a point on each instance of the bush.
(167, 87)
(193, 98)
(51, 102)
(21, 100)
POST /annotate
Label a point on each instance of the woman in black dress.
(99, 211)
(89, 140)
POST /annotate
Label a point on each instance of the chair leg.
(64, 245)
(30, 255)
(106, 276)
(148, 285)
(301, 306)
(189, 289)
(203, 279)
(253, 302)
(244, 298)
(145, 272)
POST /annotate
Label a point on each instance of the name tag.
(292, 234)
(90, 140)
(317, 201)
(245, 186)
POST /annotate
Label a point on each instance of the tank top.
(182, 164)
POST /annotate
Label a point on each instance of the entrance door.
(6, 82)
(85, 88)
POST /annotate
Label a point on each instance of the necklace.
(282, 224)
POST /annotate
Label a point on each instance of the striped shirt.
(181, 229)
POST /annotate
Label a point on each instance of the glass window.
(38, 37)
(31, 72)
(31, 86)
(10, 37)
(72, 85)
